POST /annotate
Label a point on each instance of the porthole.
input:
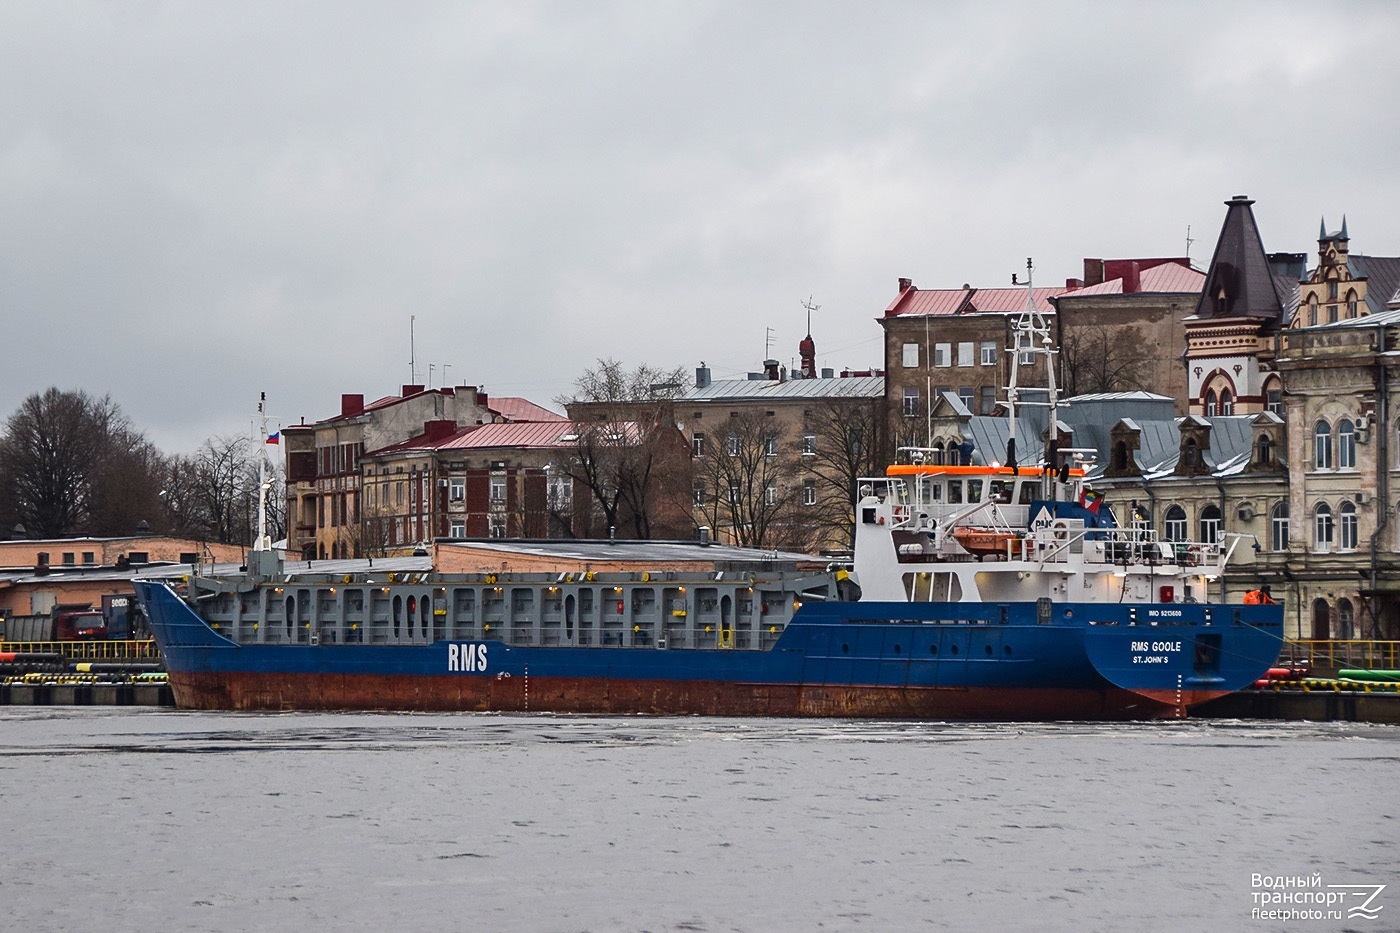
(845, 648)
(953, 649)
(1006, 650)
(897, 649)
(989, 651)
(932, 649)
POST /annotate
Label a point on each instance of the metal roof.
(519, 409)
(722, 390)
(916, 302)
(1169, 277)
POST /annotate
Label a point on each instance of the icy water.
(155, 820)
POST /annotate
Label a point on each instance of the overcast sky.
(204, 201)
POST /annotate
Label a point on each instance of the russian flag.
(274, 437)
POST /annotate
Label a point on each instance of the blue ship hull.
(1011, 661)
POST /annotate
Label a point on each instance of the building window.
(69, 559)
(1346, 619)
(910, 355)
(1322, 446)
(1210, 524)
(989, 353)
(809, 492)
(498, 489)
(1227, 402)
(943, 354)
(1332, 290)
(1273, 401)
(1351, 304)
(1322, 527)
(1175, 524)
(968, 395)
(809, 443)
(733, 443)
(698, 500)
(456, 489)
(1027, 357)
(1312, 311)
(1278, 527)
(561, 492)
(1331, 314)
(989, 400)
(497, 525)
(770, 493)
(457, 529)
(90, 557)
(1211, 405)
(966, 353)
(770, 444)
(911, 402)
(1347, 527)
(734, 494)
(1264, 454)
(1346, 445)
(697, 444)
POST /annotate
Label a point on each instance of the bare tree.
(849, 441)
(71, 463)
(213, 493)
(1103, 359)
(746, 489)
(610, 383)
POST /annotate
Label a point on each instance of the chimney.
(1132, 278)
(906, 284)
(1093, 272)
(352, 406)
(770, 371)
(702, 376)
(439, 430)
(411, 390)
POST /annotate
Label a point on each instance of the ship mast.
(263, 542)
(1031, 337)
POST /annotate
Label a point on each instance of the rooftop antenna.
(768, 343)
(810, 308)
(1189, 241)
(412, 356)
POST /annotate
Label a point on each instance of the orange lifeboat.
(983, 541)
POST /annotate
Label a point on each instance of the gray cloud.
(202, 202)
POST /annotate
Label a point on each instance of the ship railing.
(1368, 654)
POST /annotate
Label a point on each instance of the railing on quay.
(1341, 653)
(89, 650)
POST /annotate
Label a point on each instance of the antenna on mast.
(1189, 241)
(412, 355)
(810, 308)
(767, 342)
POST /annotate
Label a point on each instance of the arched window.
(1227, 402)
(1175, 524)
(1120, 456)
(938, 452)
(1210, 524)
(1191, 454)
(1264, 451)
(1322, 527)
(1346, 619)
(1312, 310)
(1346, 520)
(1346, 445)
(1351, 303)
(1273, 396)
(1321, 629)
(1211, 404)
(1278, 527)
(1322, 446)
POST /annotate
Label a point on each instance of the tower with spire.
(1333, 292)
(1229, 339)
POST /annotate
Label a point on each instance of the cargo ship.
(988, 591)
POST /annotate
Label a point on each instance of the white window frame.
(942, 355)
(967, 353)
(909, 355)
(989, 353)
